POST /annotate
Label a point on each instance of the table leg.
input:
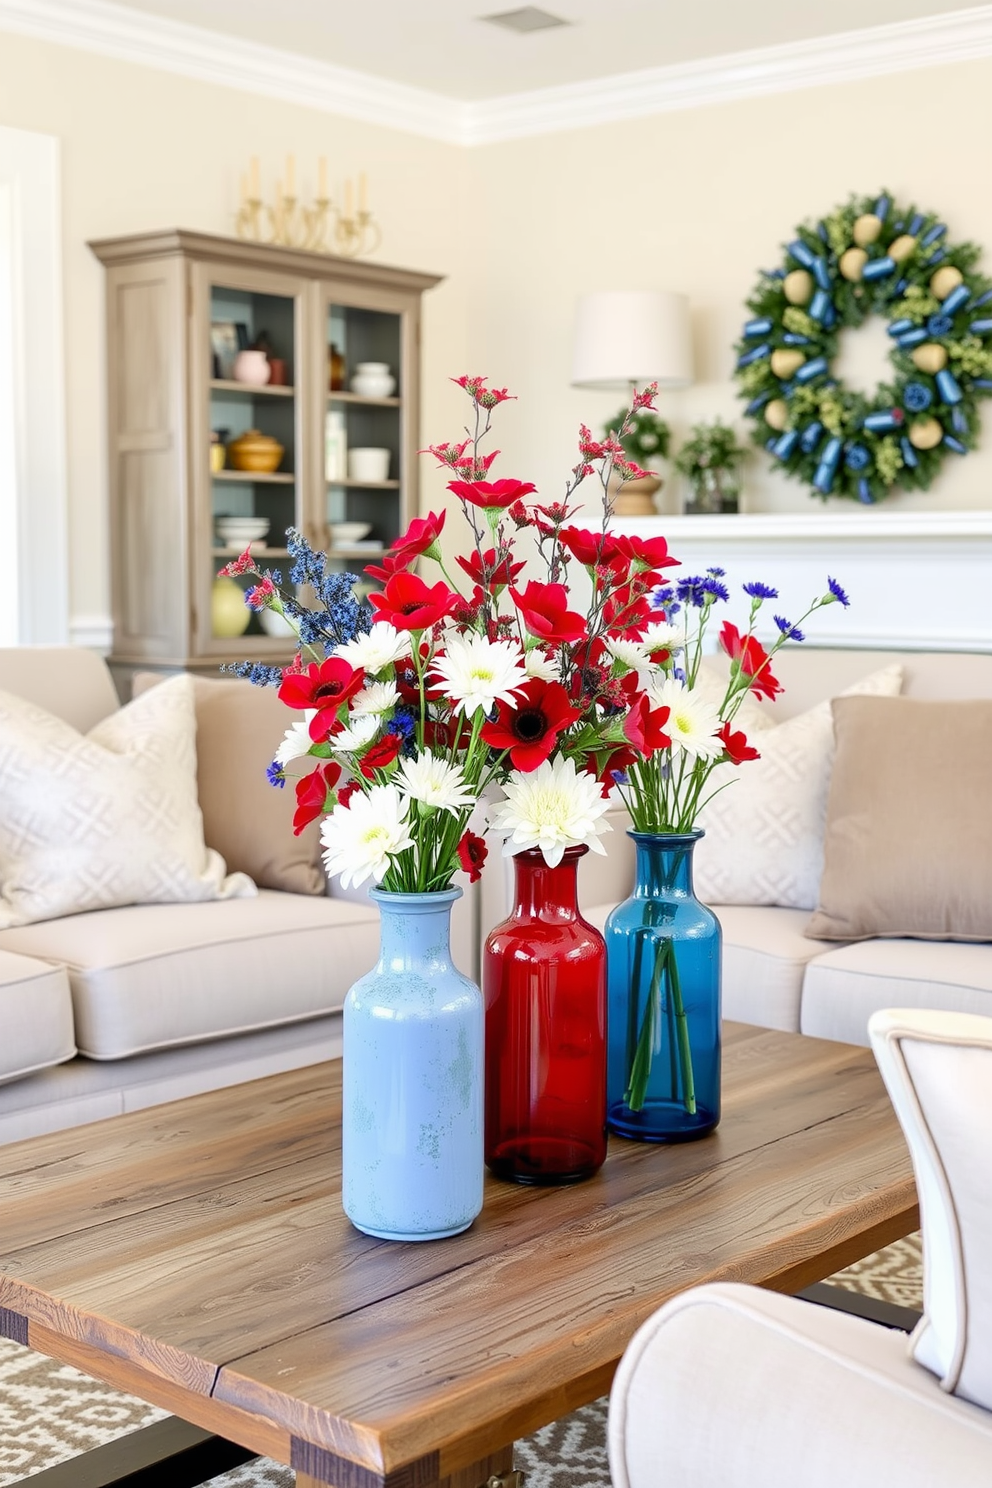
(497, 1465)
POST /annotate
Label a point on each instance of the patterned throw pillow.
(764, 832)
(104, 819)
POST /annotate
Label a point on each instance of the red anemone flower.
(323, 686)
(592, 549)
(392, 563)
(650, 552)
(644, 727)
(380, 755)
(617, 762)
(735, 745)
(410, 605)
(496, 494)
(472, 854)
(486, 572)
(347, 791)
(419, 537)
(312, 793)
(545, 612)
(529, 726)
(753, 659)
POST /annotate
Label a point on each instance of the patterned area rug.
(50, 1412)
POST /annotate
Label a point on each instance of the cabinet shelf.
(364, 402)
(256, 477)
(353, 485)
(227, 385)
(230, 553)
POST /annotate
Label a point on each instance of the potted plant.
(711, 461)
(645, 438)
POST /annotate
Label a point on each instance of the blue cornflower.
(715, 589)
(402, 722)
(619, 777)
(678, 673)
(758, 590)
(275, 774)
(700, 590)
(837, 592)
(790, 631)
(717, 573)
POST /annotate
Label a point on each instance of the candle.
(291, 176)
(322, 178)
(255, 185)
(363, 193)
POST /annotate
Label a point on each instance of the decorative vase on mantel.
(412, 1114)
(544, 973)
(663, 970)
(635, 498)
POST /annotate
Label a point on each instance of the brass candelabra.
(321, 227)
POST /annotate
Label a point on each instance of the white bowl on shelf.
(343, 533)
(242, 529)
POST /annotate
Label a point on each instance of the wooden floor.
(196, 1254)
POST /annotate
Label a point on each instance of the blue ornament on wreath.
(868, 257)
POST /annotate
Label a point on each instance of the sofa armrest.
(734, 1387)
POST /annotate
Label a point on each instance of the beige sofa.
(118, 1009)
(772, 974)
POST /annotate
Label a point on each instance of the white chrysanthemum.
(296, 743)
(432, 781)
(662, 635)
(692, 722)
(631, 654)
(357, 736)
(552, 807)
(377, 650)
(361, 839)
(539, 664)
(377, 697)
(476, 672)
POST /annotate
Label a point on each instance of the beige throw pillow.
(764, 832)
(103, 819)
(239, 727)
(908, 848)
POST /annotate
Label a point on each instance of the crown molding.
(227, 61)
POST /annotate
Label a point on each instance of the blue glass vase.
(411, 1125)
(663, 999)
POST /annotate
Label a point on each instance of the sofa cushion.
(107, 818)
(764, 831)
(239, 727)
(843, 987)
(908, 844)
(35, 1015)
(153, 976)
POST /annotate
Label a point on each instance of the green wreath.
(869, 257)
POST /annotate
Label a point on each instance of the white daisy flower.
(552, 807)
(539, 664)
(377, 650)
(631, 654)
(662, 635)
(357, 736)
(377, 697)
(476, 672)
(361, 839)
(296, 743)
(432, 781)
(692, 722)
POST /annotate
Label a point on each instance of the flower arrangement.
(710, 460)
(417, 701)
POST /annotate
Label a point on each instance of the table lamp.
(625, 339)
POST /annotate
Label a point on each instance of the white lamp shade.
(624, 336)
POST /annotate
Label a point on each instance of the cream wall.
(143, 149)
(698, 201)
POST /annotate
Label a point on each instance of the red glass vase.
(544, 983)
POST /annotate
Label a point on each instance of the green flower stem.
(649, 1037)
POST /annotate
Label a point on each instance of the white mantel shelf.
(917, 580)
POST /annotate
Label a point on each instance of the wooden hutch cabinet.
(179, 306)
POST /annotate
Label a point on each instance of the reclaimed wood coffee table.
(196, 1255)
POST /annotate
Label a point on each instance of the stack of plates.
(238, 532)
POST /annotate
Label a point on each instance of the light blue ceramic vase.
(412, 1161)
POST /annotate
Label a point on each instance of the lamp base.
(636, 498)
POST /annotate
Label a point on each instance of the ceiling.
(443, 46)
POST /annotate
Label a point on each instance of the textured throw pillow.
(103, 819)
(937, 1068)
(764, 832)
(249, 822)
(908, 847)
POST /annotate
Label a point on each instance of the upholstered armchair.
(734, 1387)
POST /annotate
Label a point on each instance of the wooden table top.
(196, 1254)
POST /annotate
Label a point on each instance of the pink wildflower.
(242, 565)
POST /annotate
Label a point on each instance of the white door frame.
(33, 515)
